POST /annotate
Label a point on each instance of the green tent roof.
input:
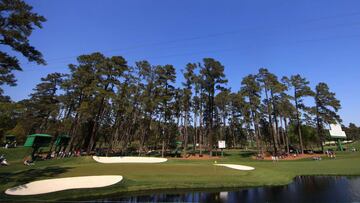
(39, 135)
(62, 140)
(42, 140)
(64, 136)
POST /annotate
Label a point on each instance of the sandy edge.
(59, 184)
(237, 167)
(128, 159)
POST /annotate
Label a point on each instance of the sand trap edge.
(237, 167)
(60, 184)
(128, 159)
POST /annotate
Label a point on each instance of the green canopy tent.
(36, 141)
(10, 140)
(61, 142)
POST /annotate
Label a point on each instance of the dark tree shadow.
(247, 154)
(22, 177)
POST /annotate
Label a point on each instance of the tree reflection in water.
(302, 189)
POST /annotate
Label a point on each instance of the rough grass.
(174, 174)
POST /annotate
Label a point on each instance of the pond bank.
(302, 189)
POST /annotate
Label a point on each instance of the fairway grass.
(174, 174)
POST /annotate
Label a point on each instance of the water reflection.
(303, 189)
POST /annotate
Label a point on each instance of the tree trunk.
(319, 129)
(287, 136)
(201, 128)
(196, 139)
(72, 133)
(299, 125)
(282, 134)
(270, 122)
(96, 125)
(234, 138)
(113, 135)
(186, 133)
(163, 148)
(277, 132)
(223, 136)
(211, 119)
(257, 132)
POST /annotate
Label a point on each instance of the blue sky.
(317, 39)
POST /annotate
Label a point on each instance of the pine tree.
(45, 99)
(17, 21)
(301, 89)
(189, 76)
(251, 90)
(272, 88)
(286, 112)
(326, 109)
(212, 74)
(166, 78)
(222, 102)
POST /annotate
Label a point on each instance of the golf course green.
(171, 175)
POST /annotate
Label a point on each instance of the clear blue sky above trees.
(317, 39)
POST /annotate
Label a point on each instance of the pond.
(302, 189)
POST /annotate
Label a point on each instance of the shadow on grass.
(27, 176)
(243, 154)
(247, 154)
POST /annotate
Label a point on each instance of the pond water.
(302, 189)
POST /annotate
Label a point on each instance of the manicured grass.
(174, 174)
(356, 145)
(347, 146)
(16, 154)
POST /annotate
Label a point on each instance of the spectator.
(28, 161)
(53, 154)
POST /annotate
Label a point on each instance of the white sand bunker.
(128, 159)
(58, 184)
(237, 167)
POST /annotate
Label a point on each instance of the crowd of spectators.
(51, 155)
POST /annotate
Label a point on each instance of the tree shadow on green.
(247, 154)
(27, 176)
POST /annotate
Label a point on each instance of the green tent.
(62, 140)
(9, 138)
(9, 141)
(38, 140)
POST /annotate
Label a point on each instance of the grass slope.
(174, 174)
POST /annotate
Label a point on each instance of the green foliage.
(325, 110)
(308, 133)
(10, 114)
(352, 131)
(105, 103)
(17, 21)
(301, 89)
(20, 132)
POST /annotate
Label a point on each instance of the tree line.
(104, 102)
